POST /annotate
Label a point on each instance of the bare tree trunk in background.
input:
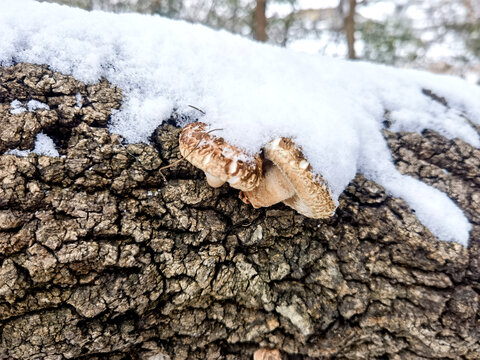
(260, 21)
(349, 25)
(289, 20)
(155, 7)
(470, 10)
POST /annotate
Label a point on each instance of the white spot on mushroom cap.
(207, 159)
(232, 168)
(274, 144)
(304, 164)
(234, 180)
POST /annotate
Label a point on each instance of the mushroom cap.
(267, 354)
(312, 197)
(219, 159)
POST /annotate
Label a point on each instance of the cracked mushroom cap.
(220, 161)
(312, 197)
(289, 177)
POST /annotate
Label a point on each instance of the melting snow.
(254, 92)
(79, 100)
(16, 107)
(33, 105)
(44, 145)
(17, 152)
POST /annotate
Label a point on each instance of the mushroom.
(220, 161)
(267, 354)
(289, 177)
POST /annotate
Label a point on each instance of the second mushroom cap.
(290, 178)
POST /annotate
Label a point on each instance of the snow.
(253, 92)
(17, 152)
(79, 100)
(33, 105)
(322, 44)
(283, 9)
(44, 145)
(379, 11)
(17, 107)
(315, 4)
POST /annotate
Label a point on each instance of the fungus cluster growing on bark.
(279, 174)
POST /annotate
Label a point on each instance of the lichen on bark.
(106, 255)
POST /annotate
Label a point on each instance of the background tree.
(348, 8)
(260, 21)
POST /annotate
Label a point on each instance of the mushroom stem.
(272, 189)
(214, 181)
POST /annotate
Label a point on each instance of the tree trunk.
(104, 255)
(349, 25)
(260, 21)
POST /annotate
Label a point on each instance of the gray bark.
(104, 256)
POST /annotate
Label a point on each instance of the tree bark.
(349, 26)
(105, 255)
(260, 21)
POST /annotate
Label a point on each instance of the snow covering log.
(105, 255)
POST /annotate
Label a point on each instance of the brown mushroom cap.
(291, 179)
(267, 354)
(220, 161)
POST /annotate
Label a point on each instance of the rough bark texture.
(103, 256)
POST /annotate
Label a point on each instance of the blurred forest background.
(438, 35)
